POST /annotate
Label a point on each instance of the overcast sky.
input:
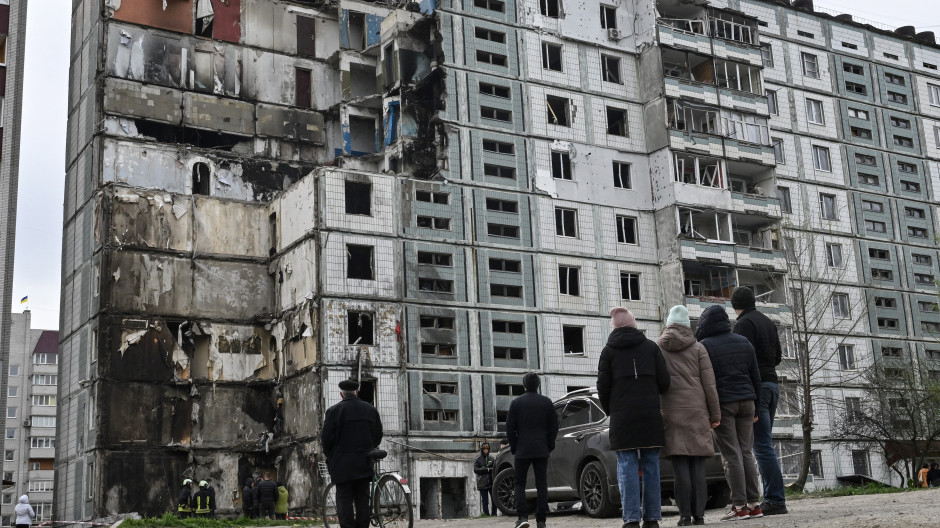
(42, 154)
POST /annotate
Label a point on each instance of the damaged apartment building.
(265, 197)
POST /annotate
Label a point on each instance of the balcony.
(743, 100)
(755, 257)
(696, 142)
(738, 51)
(747, 151)
(753, 189)
(686, 89)
(684, 33)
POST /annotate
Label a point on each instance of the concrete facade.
(30, 431)
(433, 199)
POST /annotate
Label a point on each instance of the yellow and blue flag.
(24, 300)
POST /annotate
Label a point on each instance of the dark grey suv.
(582, 466)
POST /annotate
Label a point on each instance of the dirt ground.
(915, 509)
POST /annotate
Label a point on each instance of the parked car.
(582, 466)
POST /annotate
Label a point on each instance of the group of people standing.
(675, 397)
(263, 498)
(929, 476)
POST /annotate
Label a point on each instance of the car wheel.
(719, 495)
(504, 491)
(594, 489)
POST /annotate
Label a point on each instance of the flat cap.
(349, 385)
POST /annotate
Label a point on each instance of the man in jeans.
(531, 426)
(761, 332)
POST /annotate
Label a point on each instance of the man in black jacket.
(352, 428)
(631, 374)
(738, 383)
(531, 426)
(184, 504)
(483, 467)
(761, 332)
(267, 496)
(248, 496)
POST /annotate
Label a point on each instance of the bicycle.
(389, 497)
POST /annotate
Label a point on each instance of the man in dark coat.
(248, 497)
(761, 332)
(531, 426)
(483, 467)
(738, 383)
(203, 501)
(352, 428)
(267, 496)
(631, 374)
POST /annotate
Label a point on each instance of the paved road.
(915, 509)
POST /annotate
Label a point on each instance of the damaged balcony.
(683, 24)
(705, 235)
(694, 127)
(753, 189)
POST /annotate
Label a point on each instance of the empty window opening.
(499, 171)
(566, 222)
(572, 339)
(502, 230)
(488, 57)
(492, 5)
(886, 302)
(709, 281)
(699, 171)
(860, 133)
(433, 222)
(367, 390)
(504, 206)
(617, 121)
(359, 262)
(855, 88)
(437, 321)
(358, 198)
(928, 306)
(706, 225)
(201, 179)
(551, 56)
(495, 90)
(442, 498)
(909, 186)
(855, 69)
(490, 35)
(496, 114)
(202, 76)
(272, 226)
(303, 81)
(500, 147)
(360, 328)
(610, 67)
(608, 17)
(432, 197)
(569, 280)
(924, 260)
(913, 212)
(447, 350)
(435, 285)
(629, 286)
(550, 8)
(357, 30)
(622, 175)
(561, 165)
(509, 353)
(435, 259)
(362, 133)
(882, 274)
(512, 266)
(626, 229)
(688, 66)
(362, 79)
(506, 290)
(508, 389)
(691, 117)
(558, 110)
(909, 168)
(508, 327)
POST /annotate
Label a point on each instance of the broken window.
(626, 229)
(439, 350)
(558, 110)
(360, 328)
(561, 165)
(508, 327)
(610, 67)
(358, 198)
(388, 65)
(436, 415)
(569, 280)
(490, 35)
(499, 171)
(691, 117)
(512, 266)
(617, 121)
(203, 71)
(551, 56)
(502, 230)
(435, 285)
(505, 290)
(688, 66)
(707, 225)
(492, 5)
(629, 286)
(746, 127)
(201, 178)
(495, 90)
(709, 281)
(608, 17)
(496, 114)
(433, 222)
(362, 131)
(733, 27)
(737, 76)
(357, 30)
(510, 353)
(204, 18)
(572, 339)
(437, 387)
(359, 262)
(488, 57)
(550, 8)
(302, 88)
(622, 175)
(699, 170)
(499, 147)
(306, 32)
(435, 259)
(436, 321)
(566, 222)
(507, 389)
(505, 206)
(432, 197)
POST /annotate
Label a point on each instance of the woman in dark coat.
(483, 467)
(631, 375)
(690, 410)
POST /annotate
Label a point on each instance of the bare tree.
(898, 414)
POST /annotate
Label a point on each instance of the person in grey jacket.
(24, 512)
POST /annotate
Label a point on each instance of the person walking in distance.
(762, 333)
(483, 467)
(267, 496)
(631, 374)
(24, 512)
(738, 383)
(531, 427)
(690, 412)
(351, 429)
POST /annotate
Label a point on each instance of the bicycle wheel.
(328, 507)
(392, 504)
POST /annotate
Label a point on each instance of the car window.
(577, 412)
(596, 413)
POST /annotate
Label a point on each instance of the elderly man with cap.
(531, 427)
(631, 374)
(762, 333)
(352, 428)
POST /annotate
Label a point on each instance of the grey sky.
(42, 151)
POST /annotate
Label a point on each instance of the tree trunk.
(807, 422)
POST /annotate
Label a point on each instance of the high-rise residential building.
(267, 197)
(12, 48)
(30, 432)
